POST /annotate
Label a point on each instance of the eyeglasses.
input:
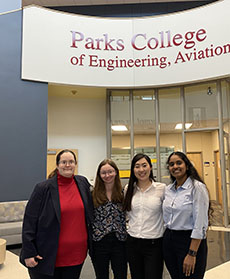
(103, 173)
(70, 162)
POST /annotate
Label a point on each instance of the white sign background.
(187, 46)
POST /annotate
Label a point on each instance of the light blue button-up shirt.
(186, 208)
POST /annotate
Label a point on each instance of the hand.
(31, 262)
(189, 265)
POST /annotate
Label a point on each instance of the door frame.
(201, 159)
(218, 183)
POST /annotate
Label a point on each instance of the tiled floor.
(218, 252)
(218, 246)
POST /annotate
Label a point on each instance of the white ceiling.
(50, 3)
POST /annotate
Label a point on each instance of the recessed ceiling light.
(119, 128)
(179, 126)
(147, 98)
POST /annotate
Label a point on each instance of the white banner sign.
(188, 46)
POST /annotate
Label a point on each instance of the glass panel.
(170, 137)
(203, 151)
(144, 124)
(226, 105)
(144, 118)
(120, 128)
(201, 155)
(226, 126)
(201, 105)
(226, 153)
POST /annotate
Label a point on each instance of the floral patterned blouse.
(109, 218)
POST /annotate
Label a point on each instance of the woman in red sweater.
(57, 223)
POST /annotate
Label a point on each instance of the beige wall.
(79, 124)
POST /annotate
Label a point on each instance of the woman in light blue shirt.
(185, 213)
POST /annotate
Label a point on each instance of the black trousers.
(175, 248)
(106, 251)
(66, 272)
(145, 257)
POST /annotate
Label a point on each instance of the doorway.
(197, 161)
(200, 147)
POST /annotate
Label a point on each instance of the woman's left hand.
(189, 265)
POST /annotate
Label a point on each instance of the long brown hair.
(99, 192)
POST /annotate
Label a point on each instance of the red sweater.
(72, 245)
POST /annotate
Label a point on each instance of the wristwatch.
(192, 253)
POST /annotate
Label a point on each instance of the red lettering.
(177, 39)
(133, 41)
(201, 35)
(74, 39)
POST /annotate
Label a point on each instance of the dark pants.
(106, 251)
(66, 272)
(145, 258)
(175, 248)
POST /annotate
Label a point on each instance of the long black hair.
(193, 174)
(133, 179)
(190, 169)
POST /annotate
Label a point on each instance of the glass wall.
(120, 130)
(202, 137)
(226, 127)
(145, 124)
(201, 105)
(194, 119)
(144, 118)
(170, 127)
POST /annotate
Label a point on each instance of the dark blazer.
(41, 225)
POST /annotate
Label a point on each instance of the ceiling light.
(179, 126)
(147, 98)
(119, 128)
